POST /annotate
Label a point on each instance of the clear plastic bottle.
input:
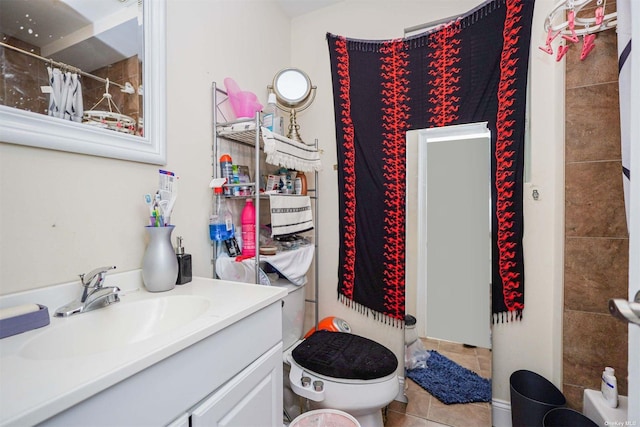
(221, 221)
(272, 119)
(248, 220)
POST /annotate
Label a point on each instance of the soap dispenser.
(184, 263)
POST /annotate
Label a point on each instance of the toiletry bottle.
(184, 263)
(226, 171)
(272, 119)
(303, 183)
(235, 180)
(609, 387)
(248, 219)
(221, 221)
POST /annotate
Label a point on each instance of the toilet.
(334, 370)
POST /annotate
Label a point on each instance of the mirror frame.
(293, 103)
(37, 130)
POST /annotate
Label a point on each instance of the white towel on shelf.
(283, 151)
(293, 265)
(290, 214)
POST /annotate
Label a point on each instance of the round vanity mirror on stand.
(294, 92)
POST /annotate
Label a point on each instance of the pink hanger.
(562, 51)
(571, 16)
(599, 15)
(550, 37)
(587, 45)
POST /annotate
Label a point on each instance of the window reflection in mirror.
(74, 60)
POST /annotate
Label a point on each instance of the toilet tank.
(292, 312)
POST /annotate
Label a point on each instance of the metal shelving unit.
(250, 136)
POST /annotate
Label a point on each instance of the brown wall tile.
(596, 239)
(600, 66)
(573, 394)
(592, 130)
(594, 201)
(591, 342)
(595, 270)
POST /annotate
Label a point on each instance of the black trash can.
(563, 417)
(532, 396)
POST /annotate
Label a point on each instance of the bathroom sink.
(114, 327)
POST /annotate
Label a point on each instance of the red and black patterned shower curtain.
(473, 69)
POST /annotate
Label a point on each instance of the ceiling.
(65, 30)
(294, 8)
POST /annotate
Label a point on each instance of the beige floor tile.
(423, 410)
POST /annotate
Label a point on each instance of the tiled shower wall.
(23, 76)
(596, 253)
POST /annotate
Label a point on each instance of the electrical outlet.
(535, 192)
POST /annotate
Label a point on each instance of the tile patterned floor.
(424, 410)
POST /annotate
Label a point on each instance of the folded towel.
(290, 215)
(283, 151)
(293, 265)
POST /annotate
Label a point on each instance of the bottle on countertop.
(248, 219)
(184, 263)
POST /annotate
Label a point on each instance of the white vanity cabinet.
(249, 399)
(231, 378)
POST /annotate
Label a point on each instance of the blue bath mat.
(450, 382)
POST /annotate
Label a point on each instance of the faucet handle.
(100, 272)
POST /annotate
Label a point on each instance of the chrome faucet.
(94, 295)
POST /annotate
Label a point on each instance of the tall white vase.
(159, 265)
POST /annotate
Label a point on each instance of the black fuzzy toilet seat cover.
(344, 355)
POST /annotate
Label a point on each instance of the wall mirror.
(448, 239)
(117, 50)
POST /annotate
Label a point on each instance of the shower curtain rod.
(428, 25)
(61, 65)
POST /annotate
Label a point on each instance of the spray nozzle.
(217, 183)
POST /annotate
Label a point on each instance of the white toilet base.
(363, 400)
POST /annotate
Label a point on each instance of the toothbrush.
(149, 202)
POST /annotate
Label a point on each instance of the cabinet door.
(251, 398)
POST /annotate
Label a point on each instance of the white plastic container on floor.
(325, 418)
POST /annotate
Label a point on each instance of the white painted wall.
(62, 214)
(534, 343)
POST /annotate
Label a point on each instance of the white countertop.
(33, 389)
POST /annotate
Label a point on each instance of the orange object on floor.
(331, 323)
